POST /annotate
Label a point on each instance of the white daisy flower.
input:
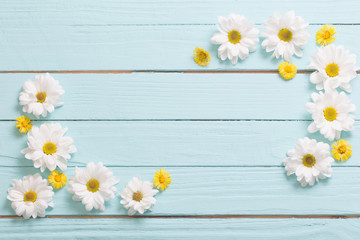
(237, 38)
(138, 196)
(331, 114)
(285, 36)
(309, 161)
(335, 68)
(93, 186)
(48, 147)
(41, 95)
(31, 196)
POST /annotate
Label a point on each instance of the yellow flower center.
(24, 124)
(327, 35)
(202, 55)
(137, 196)
(41, 96)
(93, 185)
(49, 148)
(342, 149)
(330, 114)
(30, 196)
(309, 160)
(57, 178)
(161, 179)
(288, 69)
(234, 37)
(285, 35)
(332, 70)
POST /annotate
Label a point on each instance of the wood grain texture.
(172, 96)
(136, 47)
(250, 229)
(219, 190)
(42, 13)
(172, 143)
(215, 133)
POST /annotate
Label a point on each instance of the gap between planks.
(156, 71)
(195, 24)
(165, 120)
(79, 164)
(151, 71)
(191, 216)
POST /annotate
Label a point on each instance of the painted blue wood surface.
(172, 96)
(219, 191)
(103, 35)
(218, 167)
(174, 143)
(164, 229)
(149, 47)
(41, 13)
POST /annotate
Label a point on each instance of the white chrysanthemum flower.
(41, 95)
(31, 196)
(335, 68)
(285, 36)
(331, 114)
(138, 196)
(48, 147)
(93, 186)
(237, 38)
(309, 161)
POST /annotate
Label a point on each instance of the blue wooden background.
(136, 101)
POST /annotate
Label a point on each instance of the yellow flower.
(57, 179)
(24, 124)
(201, 56)
(341, 150)
(325, 35)
(162, 179)
(287, 70)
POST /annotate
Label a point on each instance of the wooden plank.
(140, 47)
(106, 12)
(252, 229)
(170, 143)
(171, 96)
(220, 190)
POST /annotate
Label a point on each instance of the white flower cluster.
(48, 148)
(96, 184)
(335, 68)
(283, 36)
(47, 145)
(330, 110)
